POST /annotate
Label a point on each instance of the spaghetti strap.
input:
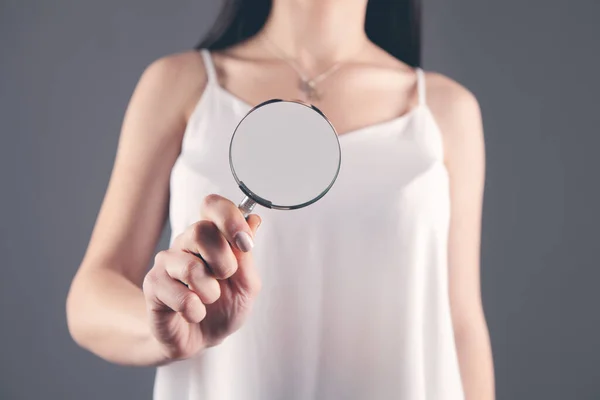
(421, 85)
(211, 72)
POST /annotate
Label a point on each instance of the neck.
(317, 32)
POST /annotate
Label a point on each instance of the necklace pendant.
(310, 89)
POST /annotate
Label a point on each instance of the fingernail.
(243, 241)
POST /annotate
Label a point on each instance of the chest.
(390, 176)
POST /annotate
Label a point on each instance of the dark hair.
(394, 25)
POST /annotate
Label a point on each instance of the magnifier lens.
(284, 155)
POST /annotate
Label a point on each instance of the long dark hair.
(394, 25)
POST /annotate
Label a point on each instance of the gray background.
(67, 71)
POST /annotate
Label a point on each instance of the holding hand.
(201, 289)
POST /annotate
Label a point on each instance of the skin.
(126, 314)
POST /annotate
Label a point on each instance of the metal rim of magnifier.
(262, 201)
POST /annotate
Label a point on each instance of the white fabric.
(354, 302)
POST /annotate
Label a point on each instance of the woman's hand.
(201, 289)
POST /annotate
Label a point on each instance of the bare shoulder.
(175, 80)
(456, 111)
(448, 98)
(176, 68)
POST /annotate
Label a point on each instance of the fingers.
(204, 239)
(229, 220)
(163, 293)
(211, 241)
(190, 270)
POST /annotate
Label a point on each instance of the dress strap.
(421, 85)
(209, 66)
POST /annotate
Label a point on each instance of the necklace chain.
(307, 85)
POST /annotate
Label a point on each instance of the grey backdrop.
(67, 71)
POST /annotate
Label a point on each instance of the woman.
(371, 293)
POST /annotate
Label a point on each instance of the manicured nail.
(243, 241)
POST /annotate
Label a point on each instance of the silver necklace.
(307, 85)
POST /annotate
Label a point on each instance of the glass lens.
(286, 153)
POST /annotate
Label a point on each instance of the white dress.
(354, 301)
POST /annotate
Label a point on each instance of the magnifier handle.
(246, 206)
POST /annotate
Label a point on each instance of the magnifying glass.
(284, 155)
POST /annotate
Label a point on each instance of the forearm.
(106, 315)
(475, 360)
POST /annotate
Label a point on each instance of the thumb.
(246, 277)
(254, 220)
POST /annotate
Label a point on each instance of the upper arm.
(458, 115)
(135, 205)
